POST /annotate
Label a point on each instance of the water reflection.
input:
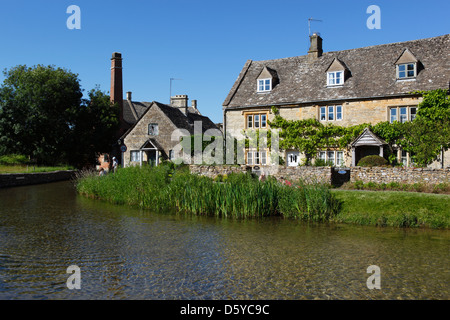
(126, 253)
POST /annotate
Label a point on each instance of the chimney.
(116, 92)
(194, 104)
(315, 50)
(129, 95)
(180, 102)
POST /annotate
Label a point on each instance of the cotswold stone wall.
(307, 174)
(399, 174)
(22, 179)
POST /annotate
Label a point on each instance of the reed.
(164, 188)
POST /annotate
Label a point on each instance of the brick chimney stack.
(116, 92)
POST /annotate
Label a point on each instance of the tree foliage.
(43, 115)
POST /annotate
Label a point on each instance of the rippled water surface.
(125, 253)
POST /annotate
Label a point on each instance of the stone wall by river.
(23, 179)
(325, 174)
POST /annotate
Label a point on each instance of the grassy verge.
(30, 169)
(393, 208)
(165, 189)
(443, 188)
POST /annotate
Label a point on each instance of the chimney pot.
(129, 95)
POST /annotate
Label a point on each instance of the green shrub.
(372, 161)
(13, 159)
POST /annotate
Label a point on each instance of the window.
(263, 121)
(331, 158)
(331, 113)
(404, 158)
(338, 112)
(339, 158)
(402, 114)
(293, 158)
(323, 155)
(323, 113)
(256, 158)
(249, 121)
(393, 115)
(412, 113)
(135, 156)
(153, 129)
(335, 78)
(406, 71)
(264, 85)
(257, 121)
(335, 158)
(170, 154)
(250, 158)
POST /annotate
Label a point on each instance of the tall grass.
(242, 196)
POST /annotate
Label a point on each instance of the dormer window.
(336, 73)
(335, 78)
(406, 66)
(266, 80)
(406, 71)
(264, 85)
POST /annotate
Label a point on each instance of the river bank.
(240, 196)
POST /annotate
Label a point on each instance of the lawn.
(30, 169)
(393, 208)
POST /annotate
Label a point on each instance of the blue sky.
(204, 43)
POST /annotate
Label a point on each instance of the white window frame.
(257, 158)
(402, 117)
(336, 157)
(293, 158)
(406, 71)
(264, 85)
(326, 111)
(136, 157)
(335, 78)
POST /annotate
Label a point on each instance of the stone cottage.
(349, 87)
(146, 128)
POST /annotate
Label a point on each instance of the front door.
(151, 157)
(293, 158)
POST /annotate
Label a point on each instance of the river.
(125, 253)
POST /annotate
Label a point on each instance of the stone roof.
(178, 118)
(371, 74)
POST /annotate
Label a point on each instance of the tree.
(38, 108)
(43, 116)
(95, 128)
(429, 134)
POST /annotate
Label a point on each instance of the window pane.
(263, 121)
(153, 129)
(404, 158)
(249, 157)
(267, 85)
(322, 155)
(263, 158)
(260, 85)
(393, 114)
(249, 121)
(338, 112)
(323, 113)
(330, 155)
(331, 78)
(256, 120)
(256, 157)
(413, 113)
(330, 113)
(411, 67)
(339, 158)
(403, 114)
(338, 77)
